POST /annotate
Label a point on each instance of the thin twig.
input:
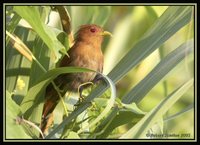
(20, 120)
(61, 97)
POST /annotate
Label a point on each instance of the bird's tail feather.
(51, 100)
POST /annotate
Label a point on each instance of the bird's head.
(91, 34)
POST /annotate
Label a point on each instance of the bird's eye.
(92, 30)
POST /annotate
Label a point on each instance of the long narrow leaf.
(32, 16)
(17, 67)
(139, 130)
(158, 73)
(170, 22)
(13, 130)
(11, 25)
(185, 110)
(33, 99)
(109, 105)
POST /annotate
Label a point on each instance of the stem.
(61, 97)
(84, 85)
(20, 120)
(108, 107)
(39, 64)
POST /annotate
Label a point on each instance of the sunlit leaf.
(159, 72)
(13, 130)
(130, 113)
(32, 16)
(139, 130)
(33, 101)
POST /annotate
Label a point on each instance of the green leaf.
(174, 18)
(130, 113)
(151, 12)
(32, 16)
(100, 102)
(38, 48)
(11, 25)
(63, 38)
(17, 67)
(127, 33)
(101, 130)
(123, 117)
(166, 64)
(33, 101)
(185, 110)
(13, 130)
(154, 15)
(157, 127)
(109, 105)
(72, 135)
(133, 108)
(162, 30)
(139, 130)
(116, 50)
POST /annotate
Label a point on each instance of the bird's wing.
(66, 60)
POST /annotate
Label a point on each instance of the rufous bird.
(86, 52)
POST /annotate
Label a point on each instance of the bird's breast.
(87, 57)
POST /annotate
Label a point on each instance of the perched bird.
(85, 52)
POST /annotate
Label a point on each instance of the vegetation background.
(150, 59)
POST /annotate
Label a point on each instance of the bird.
(85, 52)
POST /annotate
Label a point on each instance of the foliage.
(149, 59)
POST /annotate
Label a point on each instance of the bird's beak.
(104, 33)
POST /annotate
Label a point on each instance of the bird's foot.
(80, 100)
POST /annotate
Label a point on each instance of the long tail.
(51, 100)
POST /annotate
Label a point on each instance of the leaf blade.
(167, 64)
(143, 125)
(32, 16)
